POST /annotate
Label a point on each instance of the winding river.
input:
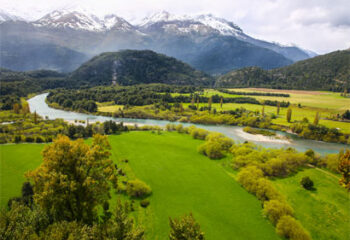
(39, 105)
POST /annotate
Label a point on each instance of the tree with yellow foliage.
(74, 178)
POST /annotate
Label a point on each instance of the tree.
(221, 101)
(137, 188)
(307, 183)
(197, 102)
(74, 178)
(275, 209)
(192, 102)
(278, 108)
(122, 227)
(185, 228)
(317, 118)
(289, 114)
(210, 100)
(263, 111)
(35, 118)
(344, 169)
(290, 228)
(16, 108)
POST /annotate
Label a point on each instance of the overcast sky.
(318, 25)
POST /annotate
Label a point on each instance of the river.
(39, 105)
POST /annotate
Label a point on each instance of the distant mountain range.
(206, 42)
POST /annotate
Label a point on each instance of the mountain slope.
(22, 55)
(327, 72)
(131, 67)
(206, 42)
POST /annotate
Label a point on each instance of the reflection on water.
(39, 105)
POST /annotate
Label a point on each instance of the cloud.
(318, 25)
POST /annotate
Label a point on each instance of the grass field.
(15, 160)
(325, 212)
(182, 181)
(327, 104)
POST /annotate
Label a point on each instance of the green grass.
(182, 181)
(325, 212)
(15, 161)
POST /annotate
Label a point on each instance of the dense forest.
(326, 72)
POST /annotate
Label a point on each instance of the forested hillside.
(326, 72)
(130, 67)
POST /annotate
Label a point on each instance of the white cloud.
(319, 25)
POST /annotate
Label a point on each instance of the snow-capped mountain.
(206, 23)
(80, 19)
(5, 16)
(207, 42)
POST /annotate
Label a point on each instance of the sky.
(318, 25)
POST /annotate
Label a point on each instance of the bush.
(198, 133)
(144, 203)
(29, 139)
(307, 183)
(265, 190)
(248, 177)
(39, 139)
(290, 228)
(225, 142)
(211, 149)
(137, 188)
(275, 209)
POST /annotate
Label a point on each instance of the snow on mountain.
(222, 25)
(82, 19)
(5, 16)
(70, 19)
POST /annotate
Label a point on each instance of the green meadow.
(183, 181)
(325, 211)
(327, 104)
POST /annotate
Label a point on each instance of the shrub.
(248, 177)
(29, 139)
(198, 133)
(211, 149)
(137, 188)
(275, 209)
(265, 190)
(179, 128)
(17, 139)
(39, 139)
(225, 142)
(290, 228)
(307, 183)
(144, 203)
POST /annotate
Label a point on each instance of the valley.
(128, 122)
